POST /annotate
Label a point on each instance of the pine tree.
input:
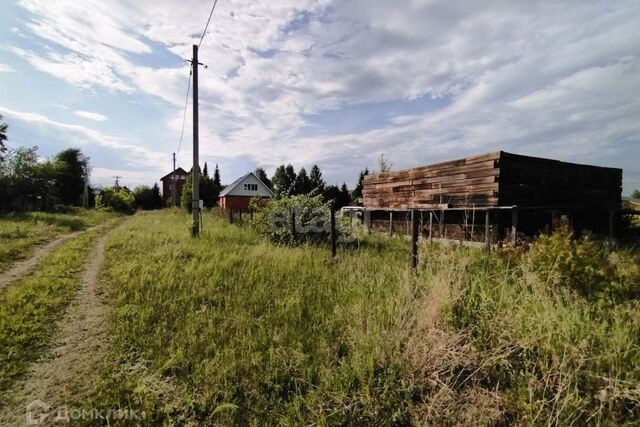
(187, 193)
(291, 176)
(345, 196)
(262, 176)
(213, 188)
(283, 180)
(317, 182)
(205, 171)
(216, 178)
(156, 197)
(303, 183)
(357, 192)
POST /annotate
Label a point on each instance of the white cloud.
(4, 68)
(547, 78)
(91, 116)
(135, 154)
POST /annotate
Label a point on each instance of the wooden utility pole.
(173, 183)
(195, 200)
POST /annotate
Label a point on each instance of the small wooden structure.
(509, 192)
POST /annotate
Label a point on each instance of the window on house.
(251, 187)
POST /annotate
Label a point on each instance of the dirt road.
(70, 368)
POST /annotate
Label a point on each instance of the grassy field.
(30, 307)
(21, 232)
(229, 329)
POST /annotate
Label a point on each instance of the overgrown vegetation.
(148, 198)
(273, 219)
(231, 329)
(20, 232)
(116, 199)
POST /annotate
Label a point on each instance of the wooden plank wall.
(458, 183)
(538, 182)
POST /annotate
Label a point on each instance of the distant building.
(181, 179)
(238, 194)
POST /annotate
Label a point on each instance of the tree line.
(209, 187)
(287, 182)
(28, 182)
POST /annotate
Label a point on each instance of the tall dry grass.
(230, 329)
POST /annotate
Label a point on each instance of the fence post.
(293, 224)
(430, 227)
(612, 224)
(390, 222)
(487, 237)
(251, 214)
(514, 225)
(333, 232)
(240, 215)
(367, 220)
(414, 239)
(230, 215)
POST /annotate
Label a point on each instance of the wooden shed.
(536, 189)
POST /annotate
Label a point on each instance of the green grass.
(19, 233)
(30, 307)
(229, 329)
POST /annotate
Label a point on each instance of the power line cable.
(184, 114)
(186, 101)
(208, 20)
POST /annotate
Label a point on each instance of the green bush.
(117, 200)
(273, 219)
(584, 264)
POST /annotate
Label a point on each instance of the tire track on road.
(72, 363)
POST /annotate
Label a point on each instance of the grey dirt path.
(71, 366)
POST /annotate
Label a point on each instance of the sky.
(328, 82)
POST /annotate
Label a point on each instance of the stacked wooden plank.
(536, 182)
(458, 183)
(496, 179)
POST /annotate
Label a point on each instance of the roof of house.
(238, 181)
(178, 171)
